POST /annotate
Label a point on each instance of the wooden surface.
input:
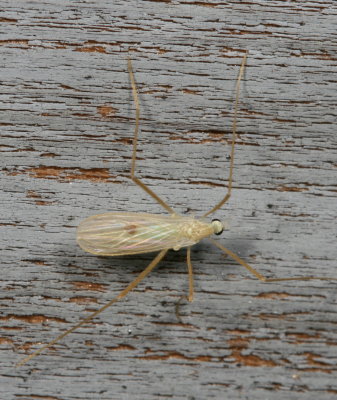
(67, 120)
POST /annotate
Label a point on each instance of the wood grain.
(67, 120)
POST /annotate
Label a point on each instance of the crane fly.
(122, 233)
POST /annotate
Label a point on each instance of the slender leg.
(135, 140)
(260, 276)
(122, 294)
(190, 284)
(230, 177)
(190, 275)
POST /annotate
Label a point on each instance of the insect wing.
(112, 234)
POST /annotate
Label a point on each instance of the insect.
(121, 233)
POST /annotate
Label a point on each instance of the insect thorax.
(195, 230)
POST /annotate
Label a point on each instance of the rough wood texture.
(67, 120)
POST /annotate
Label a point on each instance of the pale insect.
(121, 233)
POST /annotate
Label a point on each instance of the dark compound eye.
(219, 232)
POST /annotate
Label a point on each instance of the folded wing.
(112, 234)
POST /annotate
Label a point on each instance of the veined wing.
(114, 233)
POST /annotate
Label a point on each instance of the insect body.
(115, 234)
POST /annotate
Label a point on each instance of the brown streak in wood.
(166, 87)
(33, 194)
(203, 4)
(82, 300)
(4, 341)
(253, 112)
(135, 28)
(67, 173)
(226, 385)
(283, 188)
(184, 139)
(26, 346)
(239, 332)
(190, 91)
(203, 339)
(150, 177)
(323, 55)
(9, 20)
(106, 111)
(14, 41)
(22, 149)
(100, 42)
(176, 355)
(251, 360)
(92, 49)
(158, 49)
(160, 1)
(238, 343)
(311, 359)
(248, 32)
(283, 120)
(82, 115)
(152, 91)
(49, 114)
(231, 49)
(179, 324)
(37, 397)
(120, 347)
(12, 328)
(67, 87)
(302, 337)
(52, 298)
(293, 215)
(32, 319)
(89, 286)
(283, 164)
(285, 316)
(36, 262)
(44, 203)
(93, 136)
(273, 295)
(205, 183)
(127, 141)
(327, 371)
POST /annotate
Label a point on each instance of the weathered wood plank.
(66, 126)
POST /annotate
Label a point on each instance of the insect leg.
(190, 285)
(230, 176)
(190, 275)
(135, 140)
(260, 276)
(122, 294)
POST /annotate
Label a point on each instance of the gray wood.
(67, 120)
